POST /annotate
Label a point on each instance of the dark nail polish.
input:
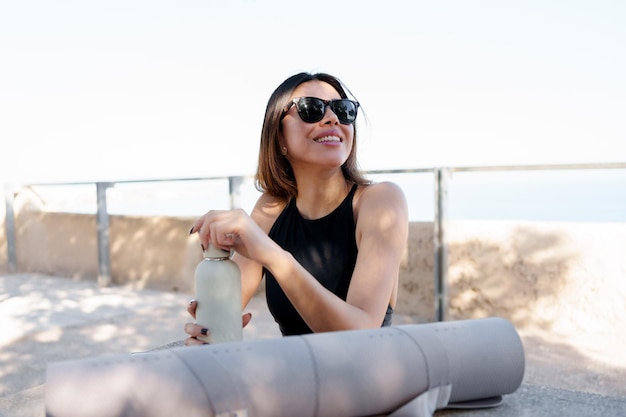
(204, 331)
(202, 246)
(191, 230)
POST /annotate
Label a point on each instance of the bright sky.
(131, 89)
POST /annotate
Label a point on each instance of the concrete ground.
(46, 319)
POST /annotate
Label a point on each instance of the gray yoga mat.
(408, 370)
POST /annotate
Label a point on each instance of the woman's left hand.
(194, 330)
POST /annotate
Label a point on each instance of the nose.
(329, 117)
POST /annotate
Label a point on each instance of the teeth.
(328, 139)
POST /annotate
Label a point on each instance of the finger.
(198, 227)
(191, 308)
(229, 239)
(195, 330)
(192, 341)
(204, 234)
(224, 229)
(217, 235)
(197, 224)
(203, 226)
(245, 319)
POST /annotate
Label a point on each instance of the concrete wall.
(562, 276)
(146, 252)
(555, 276)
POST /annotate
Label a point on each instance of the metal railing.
(441, 176)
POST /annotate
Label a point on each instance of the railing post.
(440, 244)
(9, 198)
(102, 223)
(234, 190)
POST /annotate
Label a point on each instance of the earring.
(283, 150)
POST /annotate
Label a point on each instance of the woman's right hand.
(195, 330)
(236, 230)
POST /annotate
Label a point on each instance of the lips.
(328, 139)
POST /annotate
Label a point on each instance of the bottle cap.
(215, 253)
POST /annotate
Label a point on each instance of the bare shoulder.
(382, 195)
(266, 210)
(382, 215)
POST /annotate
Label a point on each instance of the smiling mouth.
(328, 139)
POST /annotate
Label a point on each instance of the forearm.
(319, 308)
(251, 275)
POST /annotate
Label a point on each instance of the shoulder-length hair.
(274, 174)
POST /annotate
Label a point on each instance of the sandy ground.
(46, 319)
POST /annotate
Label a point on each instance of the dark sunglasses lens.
(311, 110)
(345, 110)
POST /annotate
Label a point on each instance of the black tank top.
(325, 247)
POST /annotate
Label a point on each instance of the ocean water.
(570, 196)
(564, 195)
(597, 195)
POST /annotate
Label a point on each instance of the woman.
(328, 241)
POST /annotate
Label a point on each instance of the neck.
(318, 196)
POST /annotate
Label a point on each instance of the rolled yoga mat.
(399, 371)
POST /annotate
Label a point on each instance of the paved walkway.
(45, 319)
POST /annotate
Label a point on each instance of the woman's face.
(326, 143)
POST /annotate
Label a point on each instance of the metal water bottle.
(218, 293)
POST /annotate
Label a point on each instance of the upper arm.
(381, 234)
(264, 214)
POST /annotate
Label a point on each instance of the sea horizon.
(563, 195)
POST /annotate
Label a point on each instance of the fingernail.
(202, 246)
(192, 301)
(191, 230)
(204, 331)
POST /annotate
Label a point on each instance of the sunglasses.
(312, 109)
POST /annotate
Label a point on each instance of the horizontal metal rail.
(440, 174)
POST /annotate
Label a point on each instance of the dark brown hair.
(274, 174)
